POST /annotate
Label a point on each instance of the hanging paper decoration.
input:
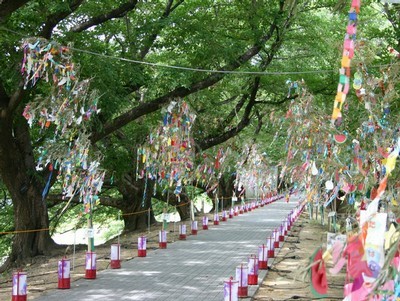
(319, 284)
(211, 164)
(253, 171)
(348, 53)
(168, 155)
(66, 112)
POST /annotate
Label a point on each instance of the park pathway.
(194, 269)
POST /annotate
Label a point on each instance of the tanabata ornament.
(168, 154)
(66, 112)
(319, 283)
(348, 53)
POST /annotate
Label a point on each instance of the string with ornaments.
(63, 117)
(167, 157)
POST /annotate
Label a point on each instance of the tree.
(63, 21)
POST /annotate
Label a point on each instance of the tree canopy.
(242, 67)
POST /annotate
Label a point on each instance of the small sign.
(166, 217)
(234, 199)
(332, 214)
(90, 233)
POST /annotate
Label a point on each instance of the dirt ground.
(286, 279)
(282, 281)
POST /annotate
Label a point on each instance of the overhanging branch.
(119, 12)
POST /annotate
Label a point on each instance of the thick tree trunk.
(17, 171)
(183, 207)
(135, 211)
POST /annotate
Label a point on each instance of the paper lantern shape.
(281, 233)
(115, 256)
(253, 270)
(285, 227)
(142, 242)
(276, 238)
(270, 246)
(182, 232)
(231, 290)
(216, 219)
(242, 274)
(236, 211)
(194, 227)
(19, 280)
(90, 265)
(205, 223)
(162, 239)
(223, 216)
(64, 276)
(241, 211)
(231, 213)
(262, 257)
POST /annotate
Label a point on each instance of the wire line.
(258, 73)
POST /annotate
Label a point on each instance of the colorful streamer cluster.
(66, 112)
(168, 155)
(348, 53)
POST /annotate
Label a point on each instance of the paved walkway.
(187, 270)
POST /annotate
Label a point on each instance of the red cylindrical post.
(236, 211)
(276, 238)
(242, 274)
(90, 265)
(241, 211)
(231, 213)
(224, 216)
(19, 291)
(64, 276)
(262, 257)
(182, 232)
(271, 248)
(142, 246)
(216, 219)
(162, 239)
(281, 234)
(115, 256)
(205, 222)
(194, 227)
(253, 270)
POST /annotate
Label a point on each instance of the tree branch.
(157, 103)
(153, 36)
(259, 123)
(102, 18)
(4, 99)
(7, 7)
(235, 110)
(16, 98)
(215, 140)
(277, 102)
(55, 18)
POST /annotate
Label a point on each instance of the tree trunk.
(135, 215)
(183, 207)
(17, 171)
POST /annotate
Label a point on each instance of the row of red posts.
(19, 290)
(247, 273)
